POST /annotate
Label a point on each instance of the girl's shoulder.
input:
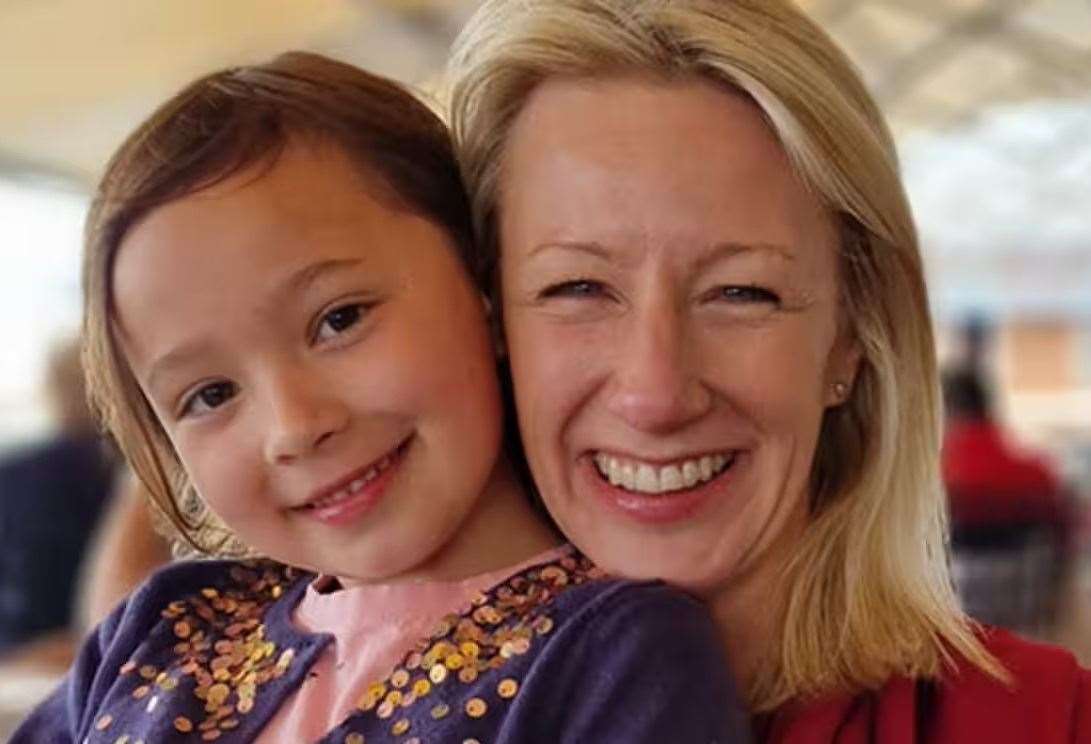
(560, 653)
(170, 654)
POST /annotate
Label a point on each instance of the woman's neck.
(746, 616)
(748, 609)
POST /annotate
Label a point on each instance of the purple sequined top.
(206, 651)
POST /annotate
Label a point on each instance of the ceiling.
(76, 75)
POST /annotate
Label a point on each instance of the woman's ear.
(841, 369)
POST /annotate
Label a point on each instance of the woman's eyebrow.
(593, 249)
(716, 252)
(728, 249)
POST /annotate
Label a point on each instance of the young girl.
(281, 315)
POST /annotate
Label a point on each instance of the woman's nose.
(655, 385)
(303, 415)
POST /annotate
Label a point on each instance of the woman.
(714, 309)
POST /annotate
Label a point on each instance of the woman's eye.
(576, 288)
(338, 321)
(745, 294)
(209, 398)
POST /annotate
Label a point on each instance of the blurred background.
(989, 100)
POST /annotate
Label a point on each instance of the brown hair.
(216, 127)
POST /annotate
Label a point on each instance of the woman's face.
(670, 296)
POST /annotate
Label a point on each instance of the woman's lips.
(358, 495)
(659, 494)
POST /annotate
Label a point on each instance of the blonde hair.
(870, 596)
(220, 125)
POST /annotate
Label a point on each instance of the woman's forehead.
(631, 161)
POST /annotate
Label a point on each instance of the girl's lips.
(660, 508)
(360, 495)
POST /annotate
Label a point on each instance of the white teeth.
(628, 476)
(645, 478)
(691, 473)
(615, 471)
(670, 478)
(355, 486)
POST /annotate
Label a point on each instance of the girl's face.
(670, 296)
(321, 363)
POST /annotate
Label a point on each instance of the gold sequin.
(385, 709)
(437, 674)
(476, 707)
(354, 738)
(442, 710)
(148, 671)
(183, 724)
(127, 667)
(211, 735)
(104, 723)
(507, 688)
(422, 687)
(400, 678)
(467, 675)
(400, 727)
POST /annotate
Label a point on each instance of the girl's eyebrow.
(301, 279)
(296, 282)
(176, 357)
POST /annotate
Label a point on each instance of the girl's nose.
(303, 415)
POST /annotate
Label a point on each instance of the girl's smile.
(356, 493)
(320, 360)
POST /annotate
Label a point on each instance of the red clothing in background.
(991, 483)
(1049, 704)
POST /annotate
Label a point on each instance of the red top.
(1050, 704)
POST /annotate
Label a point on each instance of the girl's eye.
(748, 294)
(338, 321)
(576, 288)
(209, 398)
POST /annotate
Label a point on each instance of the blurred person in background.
(991, 481)
(51, 496)
(1011, 524)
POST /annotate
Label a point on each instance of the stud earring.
(840, 390)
